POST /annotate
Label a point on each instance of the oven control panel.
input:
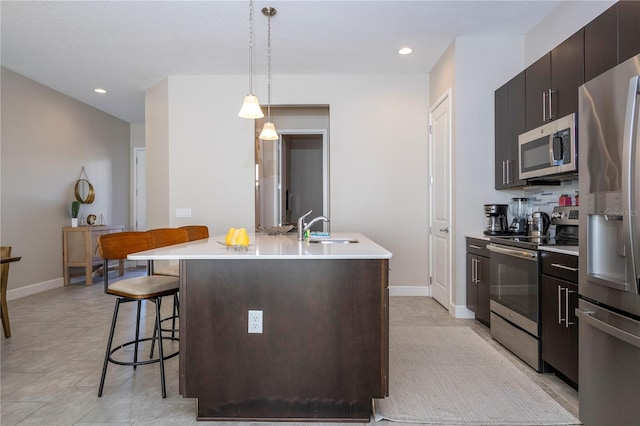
(565, 215)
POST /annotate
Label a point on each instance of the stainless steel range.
(515, 285)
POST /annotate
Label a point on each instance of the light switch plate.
(183, 212)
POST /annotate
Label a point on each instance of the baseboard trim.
(409, 290)
(461, 311)
(28, 290)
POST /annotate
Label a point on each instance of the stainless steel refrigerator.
(609, 274)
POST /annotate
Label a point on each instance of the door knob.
(445, 229)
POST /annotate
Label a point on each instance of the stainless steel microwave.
(549, 149)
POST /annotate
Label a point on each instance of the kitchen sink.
(334, 241)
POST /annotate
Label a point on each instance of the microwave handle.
(555, 150)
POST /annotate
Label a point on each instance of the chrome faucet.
(304, 227)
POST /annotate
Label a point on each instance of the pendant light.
(269, 130)
(251, 105)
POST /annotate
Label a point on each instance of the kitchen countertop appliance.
(520, 209)
(609, 265)
(539, 225)
(496, 219)
(515, 269)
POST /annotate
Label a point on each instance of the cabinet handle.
(473, 270)
(476, 247)
(566, 308)
(477, 279)
(509, 173)
(504, 172)
(547, 98)
(560, 305)
(568, 268)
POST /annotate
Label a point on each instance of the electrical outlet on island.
(255, 322)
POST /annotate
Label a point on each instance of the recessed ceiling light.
(101, 91)
(405, 51)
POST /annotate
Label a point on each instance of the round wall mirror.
(84, 191)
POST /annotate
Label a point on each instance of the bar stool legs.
(176, 308)
(157, 336)
(106, 356)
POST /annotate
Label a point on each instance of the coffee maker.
(520, 209)
(496, 223)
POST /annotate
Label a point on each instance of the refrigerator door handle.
(629, 198)
(588, 318)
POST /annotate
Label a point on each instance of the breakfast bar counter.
(319, 347)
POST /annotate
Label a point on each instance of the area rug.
(451, 376)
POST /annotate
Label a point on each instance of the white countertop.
(478, 236)
(572, 250)
(264, 246)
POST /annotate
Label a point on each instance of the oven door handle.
(521, 253)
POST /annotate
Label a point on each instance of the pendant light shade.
(251, 105)
(269, 132)
(251, 108)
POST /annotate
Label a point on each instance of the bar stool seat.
(144, 287)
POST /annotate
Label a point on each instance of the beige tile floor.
(50, 367)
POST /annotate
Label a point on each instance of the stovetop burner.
(531, 242)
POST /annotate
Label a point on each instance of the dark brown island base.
(319, 348)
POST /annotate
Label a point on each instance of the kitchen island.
(320, 349)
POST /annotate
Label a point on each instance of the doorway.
(140, 189)
(292, 177)
(440, 200)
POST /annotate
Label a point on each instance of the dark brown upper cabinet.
(628, 29)
(510, 122)
(552, 82)
(601, 43)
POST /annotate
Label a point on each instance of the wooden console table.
(80, 249)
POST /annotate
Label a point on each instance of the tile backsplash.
(545, 198)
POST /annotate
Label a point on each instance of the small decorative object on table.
(75, 209)
(91, 219)
(237, 239)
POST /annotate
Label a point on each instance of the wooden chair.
(152, 288)
(197, 232)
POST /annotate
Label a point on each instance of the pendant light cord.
(269, 69)
(251, 38)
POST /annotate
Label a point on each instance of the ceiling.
(128, 46)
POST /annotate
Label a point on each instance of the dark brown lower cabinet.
(478, 279)
(559, 323)
(323, 351)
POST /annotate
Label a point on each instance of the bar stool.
(118, 246)
(196, 232)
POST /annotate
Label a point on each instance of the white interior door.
(440, 193)
(140, 189)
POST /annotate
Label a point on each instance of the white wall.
(156, 135)
(47, 138)
(378, 156)
(474, 67)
